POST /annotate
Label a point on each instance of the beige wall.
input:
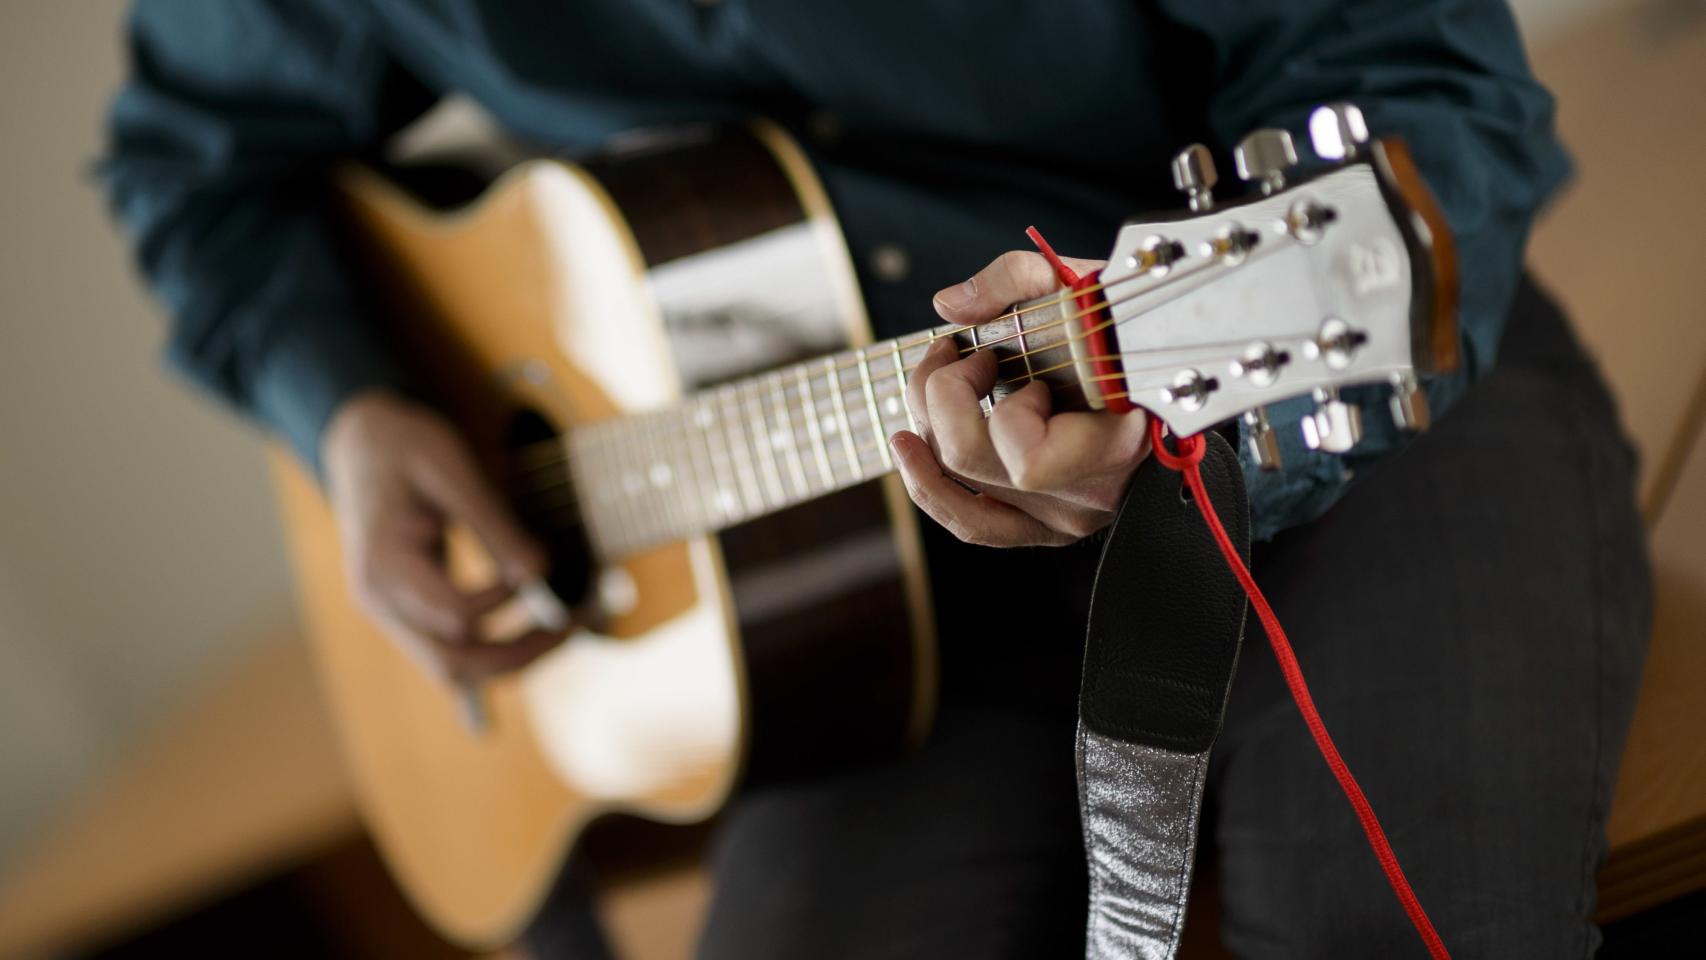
(137, 542)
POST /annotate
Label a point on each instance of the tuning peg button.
(1263, 441)
(1194, 174)
(1335, 426)
(1260, 363)
(1409, 403)
(1190, 390)
(1337, 131)
(1263, 158)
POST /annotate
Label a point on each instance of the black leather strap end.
(1167, 616)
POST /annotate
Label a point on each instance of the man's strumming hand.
(398, 475)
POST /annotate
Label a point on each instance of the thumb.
(1013, 276)
(1008, 279)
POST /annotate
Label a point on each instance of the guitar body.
(785, 645)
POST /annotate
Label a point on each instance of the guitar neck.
(761, 444)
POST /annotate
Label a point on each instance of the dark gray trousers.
(1471, 619)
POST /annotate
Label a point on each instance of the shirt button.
(825, 127)
(890, 263)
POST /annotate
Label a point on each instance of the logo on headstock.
(1375, 265)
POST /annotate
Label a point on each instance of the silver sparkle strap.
(1140, 807)
(1161, 646)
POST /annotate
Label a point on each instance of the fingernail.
(955, 298)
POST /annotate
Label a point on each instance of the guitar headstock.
(1304, 287)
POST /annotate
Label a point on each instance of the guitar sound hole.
(542, 492)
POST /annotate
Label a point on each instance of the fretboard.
(757, 445)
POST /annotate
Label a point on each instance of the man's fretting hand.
(397, 475)
(1042, 480)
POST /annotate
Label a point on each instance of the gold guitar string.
(556, 453)
(556, 445)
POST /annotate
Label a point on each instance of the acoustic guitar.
(663, 356)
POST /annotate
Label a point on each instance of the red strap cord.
(1186, 460)
(1094, 331)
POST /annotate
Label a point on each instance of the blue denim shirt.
(942, 128)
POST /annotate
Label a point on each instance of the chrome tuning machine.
(1409, 403)
(1334, 426)
(1264, 157)
(1337, 131)
(1195, 176)
(1263, 441)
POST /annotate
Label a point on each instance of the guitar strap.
(1166, 620)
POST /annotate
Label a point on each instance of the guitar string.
(1169, 279)
(934, 334)
(1034, 375)
(567, 513)
(553, 451)
(854, 461)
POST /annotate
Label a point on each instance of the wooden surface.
(242, 779)
(1623, 250)
(1658, 818)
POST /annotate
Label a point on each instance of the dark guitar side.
(838, 671)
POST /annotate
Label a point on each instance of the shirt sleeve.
(1451, 79)
(217, 150)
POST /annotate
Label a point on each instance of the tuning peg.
(1337, 131)
(1260, 363)
(1263, 441)
(1335, 426)
(1194, 173)
(1336, 344)
(1263, 158)
(1409, 403)
(1190, 390)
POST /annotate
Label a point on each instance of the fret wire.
(722, 467)
(830, 426)
(900, 375)
(667, 433)
(691, 479)
(840, 401)
(746, 470)
(643, 487)
(812, 428)
(655, 506)
(766, 450)
(877, 425)
(607, 462)
(709, 480)
(795, 468)
(629, 513)
(1019, 331)
(657, 520)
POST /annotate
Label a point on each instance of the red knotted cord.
(1186, 461)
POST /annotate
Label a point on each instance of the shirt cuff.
(310, 369)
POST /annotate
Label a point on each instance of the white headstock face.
(1302, 290)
